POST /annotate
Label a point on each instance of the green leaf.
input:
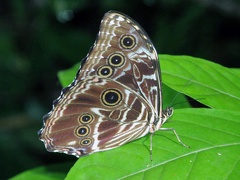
(236, 71)
(52, 172)
(215, 145)
(174, 98)
(68, 75)
(207, 82)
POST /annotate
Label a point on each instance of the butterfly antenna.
(190, 100)
(171, 104)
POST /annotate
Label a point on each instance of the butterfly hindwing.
(91, 118)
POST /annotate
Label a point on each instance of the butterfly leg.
(151, 135)
(174, 131)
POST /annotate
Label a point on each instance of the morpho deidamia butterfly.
(116, 96)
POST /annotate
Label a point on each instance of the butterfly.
(116, 96)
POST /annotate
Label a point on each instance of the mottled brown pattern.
(142, 57)
(107, 125)
(137, 80)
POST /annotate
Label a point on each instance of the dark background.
(39, 37)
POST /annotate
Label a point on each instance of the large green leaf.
(209, 83)
(214, 154)
(212, 134)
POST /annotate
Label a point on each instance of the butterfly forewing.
(115, 97)
(121, 38)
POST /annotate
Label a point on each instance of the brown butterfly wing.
(123, 65)
(88, 119)
(124, 52)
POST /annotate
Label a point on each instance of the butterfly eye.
(86, 118)
(86, 141)
(105, 71)
(169, 111)
(82, 131)
(111, 97)
(116, 60)
(127, 41)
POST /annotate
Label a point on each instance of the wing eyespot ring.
(86, 118)
(105, 71)
(127, 41)
(111, 97)
(82, 131)
(116, 59)
(86, 142)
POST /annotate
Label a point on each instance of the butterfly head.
(168, 112)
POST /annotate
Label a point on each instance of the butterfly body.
(116, 96)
